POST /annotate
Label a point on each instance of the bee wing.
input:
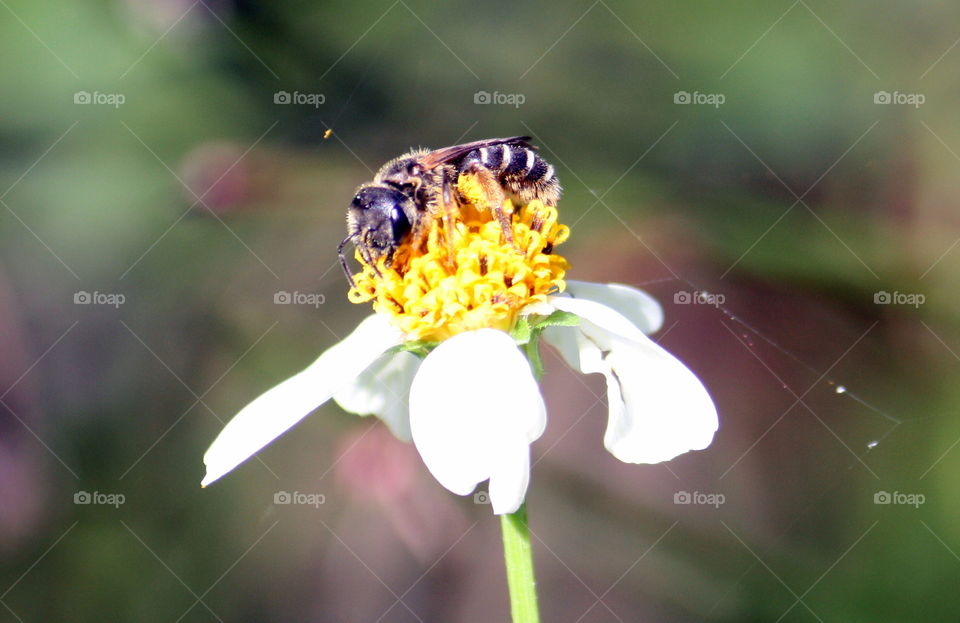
(448, 154)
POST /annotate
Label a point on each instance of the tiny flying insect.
(409, 191)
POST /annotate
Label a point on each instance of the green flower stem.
(519, 558)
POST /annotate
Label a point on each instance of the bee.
(421, 185)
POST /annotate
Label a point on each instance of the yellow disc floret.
(475, 279)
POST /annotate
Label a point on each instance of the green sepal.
(532, 350)
(420, 348)
(522, 331)
(526, 333)
(557, 319)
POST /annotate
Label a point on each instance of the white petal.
(383, 390)
(509, 478)
(639, 307)
(667, 409)
(567, 342)
(475, 408)
(592, 360)
(658, 408)
(274, 412)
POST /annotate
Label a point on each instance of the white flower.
(474, 404)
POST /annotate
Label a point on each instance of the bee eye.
(400, 222)
(415, 169)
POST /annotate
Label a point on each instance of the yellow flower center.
(474, 280)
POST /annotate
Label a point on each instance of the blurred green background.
(158, 188)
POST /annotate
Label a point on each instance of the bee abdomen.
(520, 169)
(490, 157)
(515, 161)
(522, 161)
(540, 172)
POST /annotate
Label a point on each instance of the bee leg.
(419, 232)
(368, 259)
(450, 212)
(343, 260)
(493, 192)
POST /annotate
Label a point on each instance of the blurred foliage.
(200, 197)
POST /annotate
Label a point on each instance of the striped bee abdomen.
(490, 157)
(521, 171)
(539, 170)
(521, 161)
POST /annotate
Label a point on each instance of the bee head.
(378, 219)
